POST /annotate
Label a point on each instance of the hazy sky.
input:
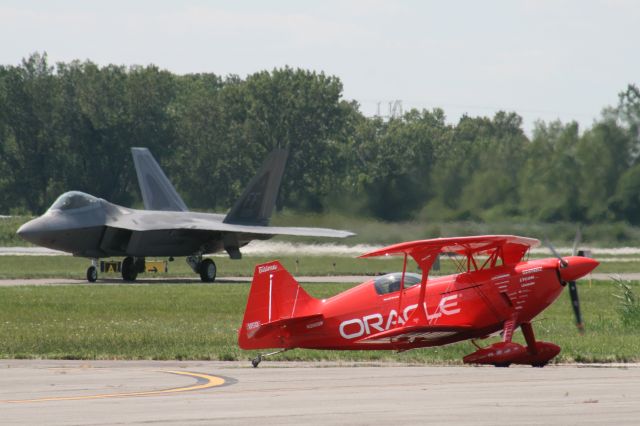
(542, 59)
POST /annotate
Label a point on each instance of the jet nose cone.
(29, 231)
(577, 267)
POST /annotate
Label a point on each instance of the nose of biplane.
(576, 267)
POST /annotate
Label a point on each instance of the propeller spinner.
(571, 268)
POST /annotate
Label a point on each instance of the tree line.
(71, 125)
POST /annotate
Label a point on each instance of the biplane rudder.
(275, 301)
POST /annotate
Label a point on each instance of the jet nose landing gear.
(92, 271)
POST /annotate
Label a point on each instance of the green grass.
(174, 321)
(8, 228)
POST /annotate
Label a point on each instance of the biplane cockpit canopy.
(391, 282)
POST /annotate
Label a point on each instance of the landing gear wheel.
(503, 365)
(539, 364)
(256, 361)
(129, 269)
(139, 264)
(92, 274)
(208, 271)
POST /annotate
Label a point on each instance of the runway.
(354, 279)
(140, 392)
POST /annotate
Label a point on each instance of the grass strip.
(178, 321)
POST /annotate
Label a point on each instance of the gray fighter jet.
(91, 227)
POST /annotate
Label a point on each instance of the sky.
(545, 60)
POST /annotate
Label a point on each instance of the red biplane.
(496, 292)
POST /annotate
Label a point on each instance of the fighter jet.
(92, 227)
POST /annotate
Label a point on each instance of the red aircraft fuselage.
(385, 312)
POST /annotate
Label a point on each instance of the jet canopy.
(74, 200)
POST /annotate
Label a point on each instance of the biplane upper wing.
(513, 248)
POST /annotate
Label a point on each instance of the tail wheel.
(129, 269)
(92, 274)
(208, 271)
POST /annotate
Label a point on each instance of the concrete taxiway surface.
(146, 392)
(632, 276)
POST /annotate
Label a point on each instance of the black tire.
(256, 361)
(129, 269)
(92, 274)
(208, 271)
(139, 265)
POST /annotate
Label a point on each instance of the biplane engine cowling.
(506, 353)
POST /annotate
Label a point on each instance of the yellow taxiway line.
(205, 381)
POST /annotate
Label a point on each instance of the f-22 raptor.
(92, 227)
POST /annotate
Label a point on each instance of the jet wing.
(143, 220)
(296, 231)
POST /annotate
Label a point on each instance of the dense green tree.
(389, 163)
(303, 112)
(71, 126)
(626, 201)
(30, 142)
(603, 154)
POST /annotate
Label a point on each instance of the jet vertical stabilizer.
(257, 201)
(157, 191)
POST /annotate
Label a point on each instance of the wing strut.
(404, 271)
(419, 316)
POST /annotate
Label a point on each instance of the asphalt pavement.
(230, 393)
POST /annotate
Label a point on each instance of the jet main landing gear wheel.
(92, 274)
(208, 271)
(129, 269)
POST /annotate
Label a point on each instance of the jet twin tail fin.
(255, 205)
(276, 306)
(157, 191)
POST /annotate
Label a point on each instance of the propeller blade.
(575, 304)
(555, 253)
(576, 241)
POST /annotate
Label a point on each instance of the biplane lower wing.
(411, 334)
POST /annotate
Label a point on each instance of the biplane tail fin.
(275, 306)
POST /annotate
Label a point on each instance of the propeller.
(573, 288)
